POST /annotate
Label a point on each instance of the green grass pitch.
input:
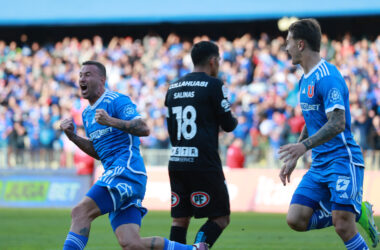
(40, 229)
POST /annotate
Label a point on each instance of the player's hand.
(287, 170)
(67, 126)
(291, 152)
(102, 117)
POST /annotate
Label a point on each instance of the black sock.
(178, 234)
(208, 233)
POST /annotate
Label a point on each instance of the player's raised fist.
(67, 126)
(102, 117)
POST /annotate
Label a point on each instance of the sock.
(75, 241)
(172, 245)
(178, 234)
(208, 233)
(319, 219)
(356, 243)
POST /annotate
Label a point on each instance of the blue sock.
(176, 246)
(356, 243)
(319, 219)
(75, 242)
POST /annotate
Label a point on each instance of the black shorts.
(199, 194)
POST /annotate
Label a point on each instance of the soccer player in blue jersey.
(113, 127)
(330, 193)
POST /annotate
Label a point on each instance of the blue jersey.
(113, 145)
(322, 90)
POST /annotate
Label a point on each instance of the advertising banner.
(42, 190)
(258, 190)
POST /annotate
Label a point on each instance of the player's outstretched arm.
(135, 127)
(334, 126)
(84, 144)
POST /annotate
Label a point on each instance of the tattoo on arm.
(304, 134)
(152, 243)
(134, 127)
(84, 231)
(335, 125)
(86, 145)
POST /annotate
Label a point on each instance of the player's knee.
(80, 212)
(296, 223)
(222, 222)
(343, 226)
(181, 222)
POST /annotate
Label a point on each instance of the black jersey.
(195, 103)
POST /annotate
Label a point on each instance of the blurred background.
(145, 45)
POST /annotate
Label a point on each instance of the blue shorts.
(339, 182)
(120, 192)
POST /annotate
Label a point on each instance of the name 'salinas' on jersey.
(112, 144)
(322, 91)
(194, 103)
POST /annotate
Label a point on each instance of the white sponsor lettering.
(188, 84)
(63, 191)
(184, 151)
(188, 94)
(99, 133)
(309, 107)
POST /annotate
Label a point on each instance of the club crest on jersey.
(310, 91)
(129, 110)
(334, 95)
(199, 199)
(175, 199)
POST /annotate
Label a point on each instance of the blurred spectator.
(235, 155)
(38, 87)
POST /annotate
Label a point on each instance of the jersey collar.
(99, 100)
(314, 69)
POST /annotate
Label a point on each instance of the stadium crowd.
(38, 88)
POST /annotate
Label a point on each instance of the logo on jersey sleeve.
(175, 199)
(129, 110)
(334, 95)
(199, 199)
(225, 105)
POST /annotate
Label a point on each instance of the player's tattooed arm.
(84, 144)
(134, 127)
(335, 125)
(304, 134)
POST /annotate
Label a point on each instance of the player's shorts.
(199, 194)
(337, 185)
(116, 192)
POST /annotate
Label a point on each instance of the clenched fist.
(102, 117)
(67, 126)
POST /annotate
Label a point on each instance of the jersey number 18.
(185, 118)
